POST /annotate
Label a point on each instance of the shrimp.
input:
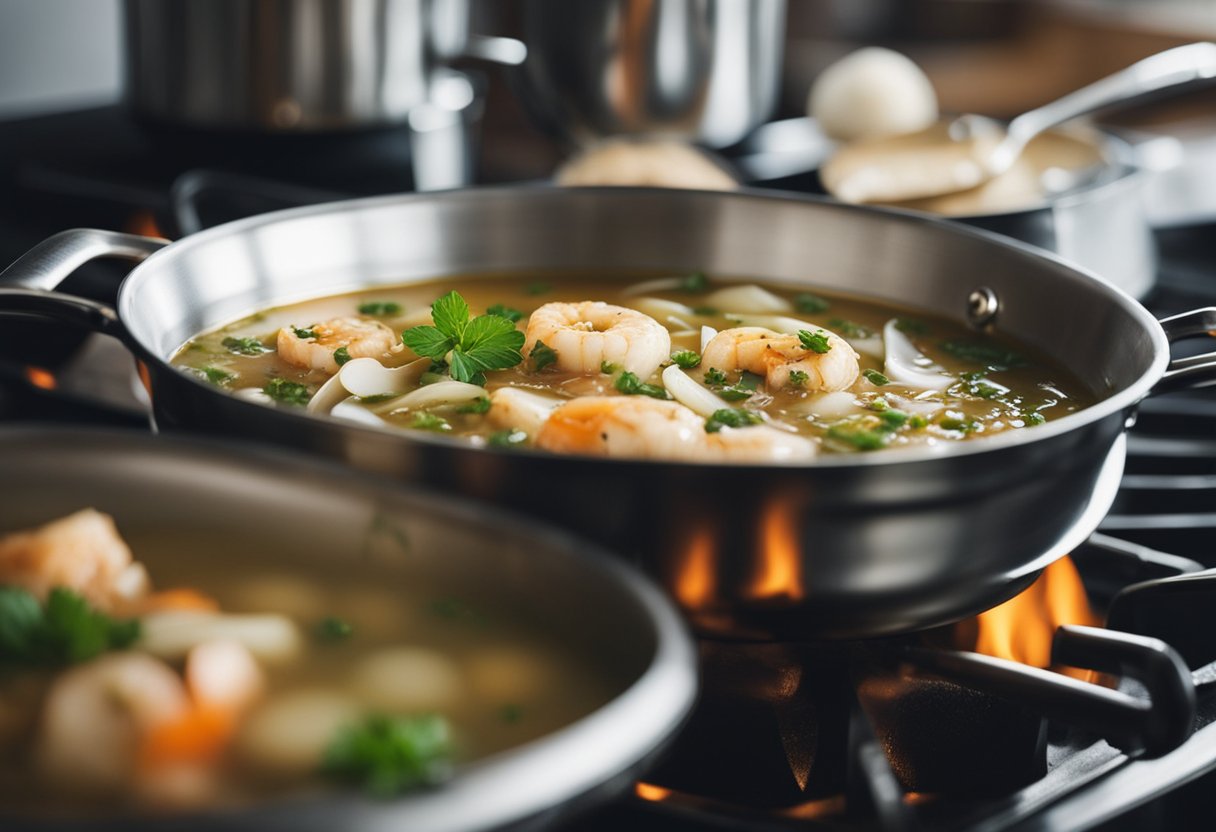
(96, 715)
(362, 339)
(618, 426)
(82, 552)
(589, 333)
(775, 355)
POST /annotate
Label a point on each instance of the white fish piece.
(908, 365)
(330, 394)
(707, 335)
(171, 635)
(691, 394)
(441, 392)
(512, 407)
(365, 377)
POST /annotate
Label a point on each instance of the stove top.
(903, 733)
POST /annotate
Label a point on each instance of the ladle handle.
(1181, 65)
(1196, 370)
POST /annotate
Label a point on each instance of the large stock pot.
(851, 545)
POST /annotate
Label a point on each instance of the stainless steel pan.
(217, 493)
(845, 546)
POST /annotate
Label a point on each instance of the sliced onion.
(520, 409)
(441, 392)
(667, 312)
(253, 394)
(920, 407)
(748, 298)
(331, 392)
(835, 405)
(661, 284)
(907, 365)
(707, 335)
(777, 323)
(691, 394)
(352, 412)
(870, 346)
(365, 377)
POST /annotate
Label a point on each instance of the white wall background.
(58, 54)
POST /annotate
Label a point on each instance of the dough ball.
(870, 93)
(662, 164)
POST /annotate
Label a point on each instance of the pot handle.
(49, 263)
(1196, 370)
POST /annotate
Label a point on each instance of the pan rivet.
(982, 306)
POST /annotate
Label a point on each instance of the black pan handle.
(1150, 727)
(1196, 370)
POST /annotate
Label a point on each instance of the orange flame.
(649, 791)
(779, 572)
(1022, 628)
(695, 582)
(40, 377)
(142, 222)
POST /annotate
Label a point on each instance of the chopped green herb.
(379, 307)
(973, 375)
(850, 329)
(962, 425)
(64, 631)
(984, 390)
(333, 629)
(287, 392)
(735, 393)
(694, 283)
(798, 378)
(705, 310)
(815, 342)
(916, 421)
(429, 421)
(880, 404)
(498, 310)
(811, 304)
(894, 418)
(434, 376)
(859, 436)
(911, 326)
(1033, 417)
(388, 756)
(686, 359)
(542, 356)
(215, 375)
(469, 347)
(538, 288)
(715, 376)
(481, 405)
(508, 438)
(732, 417)
(341, 356)
(875, 377)
(993, 356)
(379, 397)
(304, 333)
(511, 713)
(608, 368)
(631, 385)
(245, 346)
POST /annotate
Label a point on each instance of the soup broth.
(613, 365)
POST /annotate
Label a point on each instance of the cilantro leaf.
(811, 304)
(733, 417)
(694, 283)
(451, 315)
(542, 356)
(850, 329)
(815, 342)
(481, 405)
(493, 343)
(215, 375)
(430, 421)
(993, 356)
(428, 342)
(304, 333)
(287, 392)
(391, 755)
(629, 384)
(245, 346)
(500, 311)
(798, 378)
(341, 356)
(507, 438)
(875, 377)
(379, 307)
(65, 630)
(686, 359)
(332, 629)
(486, 342)
(715, 376)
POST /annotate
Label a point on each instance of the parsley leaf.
(631, 385)
(798, 378)
(215, 375)
(715, 376)
(811, 304)
(1033, 417)
(859, 436)
(993, 356)
(911, 326)
(287, 392)
(65, 630)
(705, 310)
(507, 438)
(245, 346)
(379, 307)
(498, 310)
(391, 755)
(732, 417)
(875, 377)
(686, 359)
(304, 333)
(959, 423)
(815, 342)
(332, 629)
(542, 356)
(850, 329)
(486, 342)
(341, 356)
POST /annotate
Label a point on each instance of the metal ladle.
(974, 149)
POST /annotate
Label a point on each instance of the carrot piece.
(199, 735)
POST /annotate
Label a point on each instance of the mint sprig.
(468, 347)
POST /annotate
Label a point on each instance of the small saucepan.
(842, 546)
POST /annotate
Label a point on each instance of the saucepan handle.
(26, 286)
(1195, 370)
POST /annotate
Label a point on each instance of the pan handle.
(1196, 370)
(49, 263)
